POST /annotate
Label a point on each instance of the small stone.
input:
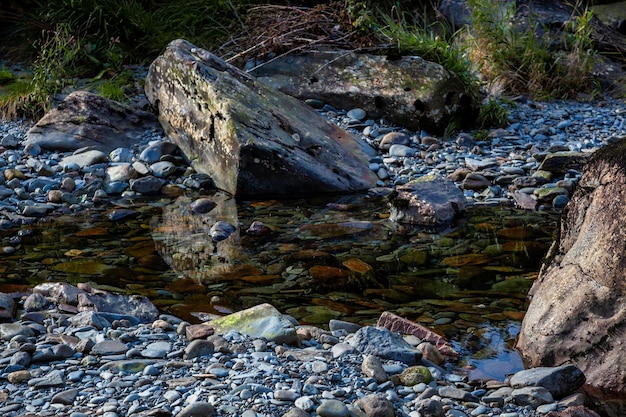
(332, 408)
(18, 376)
(163, 169)
(221, 230)
(285, 395)
(146, 185)
(375, 405)
(373, 368)
(66, 397)
(202, 205)
(198, 348)
(109, 347)
(394, 138)
(197, 409)
(305, 403)
(55, 196)
(414, 375)
(357, 114)
(402, 151)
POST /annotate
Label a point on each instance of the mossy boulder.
(408, 91)
(249, 137)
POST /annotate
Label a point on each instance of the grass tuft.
(523, 60)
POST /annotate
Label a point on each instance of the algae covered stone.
(414, 375)
(263, 321)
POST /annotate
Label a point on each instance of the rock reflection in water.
(190, 244)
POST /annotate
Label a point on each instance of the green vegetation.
(523, 60)
(95, 39)
(68, 40)
(415, 35)
(492, 114)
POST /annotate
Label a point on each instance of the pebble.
(508, 157)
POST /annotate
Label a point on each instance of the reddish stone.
(198, 331)
(399, 324)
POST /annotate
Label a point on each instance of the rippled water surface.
(316, 259)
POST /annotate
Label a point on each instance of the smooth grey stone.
(357, 114)
(66, 397)
(146, 185)
(156, 350)
(198, 348)
(221, 230)
(9, 330)
(532, 396)
(202, 205)
(197, 409)
(401, 151)
(457, 394)
(109, 347)
(559, 381)
(121, 155)
(151, 154)
(163, 169)
(285, 395)
(332, 408)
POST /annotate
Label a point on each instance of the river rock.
(7, 307)
(560, 162)
(376, 405)
(85, 119)
(559, 381)
(384, 344)
(401, 325)
(413, 92)
(136, 306)
(427, 201)
(263, 321)
(577, 313)
(250, 138)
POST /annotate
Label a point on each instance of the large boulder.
(250, 138)
(577, 313)
(408, 91)
(85, 119)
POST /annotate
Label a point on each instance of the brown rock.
(398, 324)
(375, 405)
(18, 376)
(198, 331)
(475, 181)
(577, 313)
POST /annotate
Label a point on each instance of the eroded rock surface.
(577, 312)
(86, 119)
(250, 138)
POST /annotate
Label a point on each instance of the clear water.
(318, 259)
